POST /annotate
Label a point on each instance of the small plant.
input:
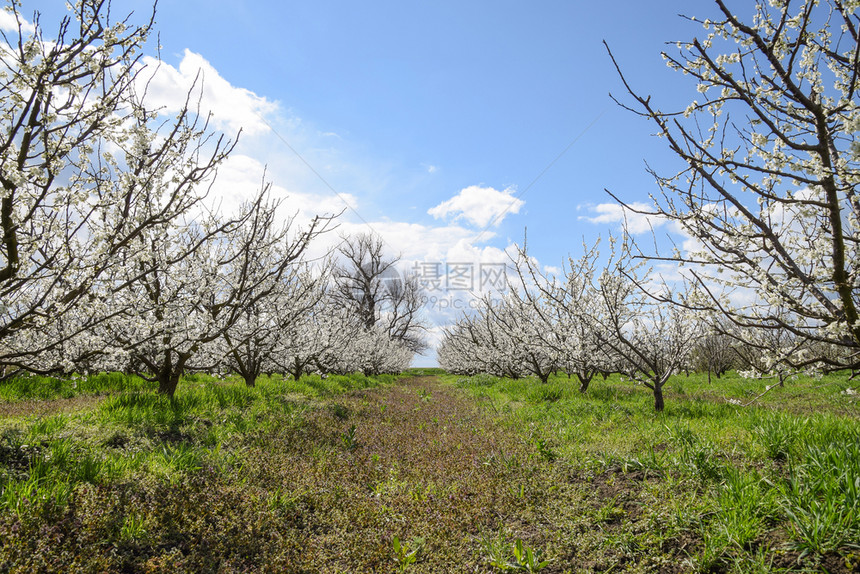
(778, 435)
(425, 395)
(699, 456)
(348, 439)
(133, 528)
(61, 453)
(678, 388)
(518, 492)
(281, 501)
(822, 498)
(610, 512)
(89, 467)
(175, 461)
(406, 552)
(743, 507)
(513, 557)
(545, 451)
(340, 411)
(496, 552)
(527, 559)
(549, 394)
(48, 426)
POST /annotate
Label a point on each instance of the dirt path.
(41, 408)
(413, 460)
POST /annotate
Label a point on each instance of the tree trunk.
(250, 374)
(168, 381)
(248, 370)
(297, 369)
(583, 382)
(168, 376)
(658, 398)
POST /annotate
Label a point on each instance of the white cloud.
(616, 213)
(413, 241)
(8, 23)
(232, 108)
(240, 179)
(480, 206)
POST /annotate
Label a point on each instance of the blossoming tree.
(79, 158)
(771, 165)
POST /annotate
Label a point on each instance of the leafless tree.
(369, 285)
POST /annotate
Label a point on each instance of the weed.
(545, 451)
(46, 427)
(496, 552)
(743, 508)
(527, 559)
(503, 556)
(36, 494)
(88, 468)
(173, 461)
(545, 393)
(281, 501)
(712, 555)
(133, 528)
(778, 435)
(697, 456)
(347, 438)
(340, 411)
(610, 512)
(407, 552)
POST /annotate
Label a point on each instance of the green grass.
(48, 388)
(312, 475)
(423, 372)
(358, 474)
(135, 436)
(766, 486)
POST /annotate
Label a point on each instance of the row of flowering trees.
(590, 321)
(765, 193)
(615, 317)
(109, 255)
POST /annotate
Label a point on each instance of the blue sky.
(430, 119)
